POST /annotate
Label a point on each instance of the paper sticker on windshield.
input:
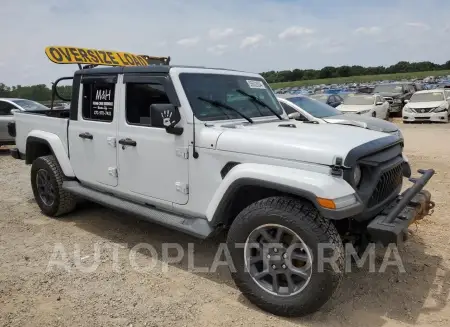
(255, 84)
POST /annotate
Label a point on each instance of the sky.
(251, 35)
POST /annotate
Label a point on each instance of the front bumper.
(441, 117)
(391, 225)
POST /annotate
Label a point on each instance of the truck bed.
(50, 121)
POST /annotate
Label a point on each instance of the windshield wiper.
(224, 105)
(262, 103)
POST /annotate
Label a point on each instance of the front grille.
(389, 99)
(422, 110)
(387, 184)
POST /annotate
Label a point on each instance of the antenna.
(194, 151)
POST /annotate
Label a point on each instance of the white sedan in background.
(7, 107)
(365, 104)
(427, 105)
(306, 109)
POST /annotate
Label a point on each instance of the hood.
(354, 108)
(432, 104)
(316, 143)
(390, 94)
(371, 123)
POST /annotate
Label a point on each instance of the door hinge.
(112, 141)
(113, 171)
(181, 187)
(183, 153)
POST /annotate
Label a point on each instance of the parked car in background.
(428, 105)
(7, 107)
(366, 104)
(333, 100)
(395, 94)
(307, 109)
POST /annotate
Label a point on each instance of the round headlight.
(357, 175)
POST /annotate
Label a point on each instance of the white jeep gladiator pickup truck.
(202, 150)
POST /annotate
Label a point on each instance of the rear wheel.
(278, 246)
(46, 182)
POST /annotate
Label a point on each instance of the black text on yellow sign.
(72, 55)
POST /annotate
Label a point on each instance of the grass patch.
(361, 79)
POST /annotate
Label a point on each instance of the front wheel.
(46, 182)
(287, 259)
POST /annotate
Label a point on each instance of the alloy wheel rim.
(45, 187)
(278, 260)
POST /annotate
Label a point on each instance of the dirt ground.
(115, 294)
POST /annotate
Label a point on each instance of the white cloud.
(189, 42)
(217, 34)
(372, 30)
(252, 41)
(217, 49)
(201, 30)
(295, 31)
(418, 25)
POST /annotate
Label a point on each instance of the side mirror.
(448, 98)
(166, 116)
(294, 115)
(14, 110)
(379, 103)
(301, 118)
(406, 101)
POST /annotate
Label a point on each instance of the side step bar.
(196, 227)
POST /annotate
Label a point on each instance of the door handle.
(127, 141)
(86, 135)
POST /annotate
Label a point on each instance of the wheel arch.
(40, 144)
(246, 183)
(245, 191)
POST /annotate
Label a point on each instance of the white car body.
(187, 160)
(433, 111)
(7, 106)
(378, 108)
(342, 119)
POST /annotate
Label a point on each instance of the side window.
(288, 108)
(5, 108)
(98, 101)
(378, 99)
(139, 98)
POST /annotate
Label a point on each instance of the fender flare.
(303, 183)
(56, 147)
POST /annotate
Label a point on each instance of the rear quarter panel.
(27, 123)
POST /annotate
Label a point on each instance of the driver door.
(152, 163)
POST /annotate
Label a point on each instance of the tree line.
(42, 93)
(348, 71)
(38, 92)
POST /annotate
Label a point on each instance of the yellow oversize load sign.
(73, 55)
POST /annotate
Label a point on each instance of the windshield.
(388, 88)
(320, 97)
(359, 100)
(30, 105)
(427, 97)
(225, 89)
(315, 107)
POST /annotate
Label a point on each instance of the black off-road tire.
(304, 219)
(64, 202)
